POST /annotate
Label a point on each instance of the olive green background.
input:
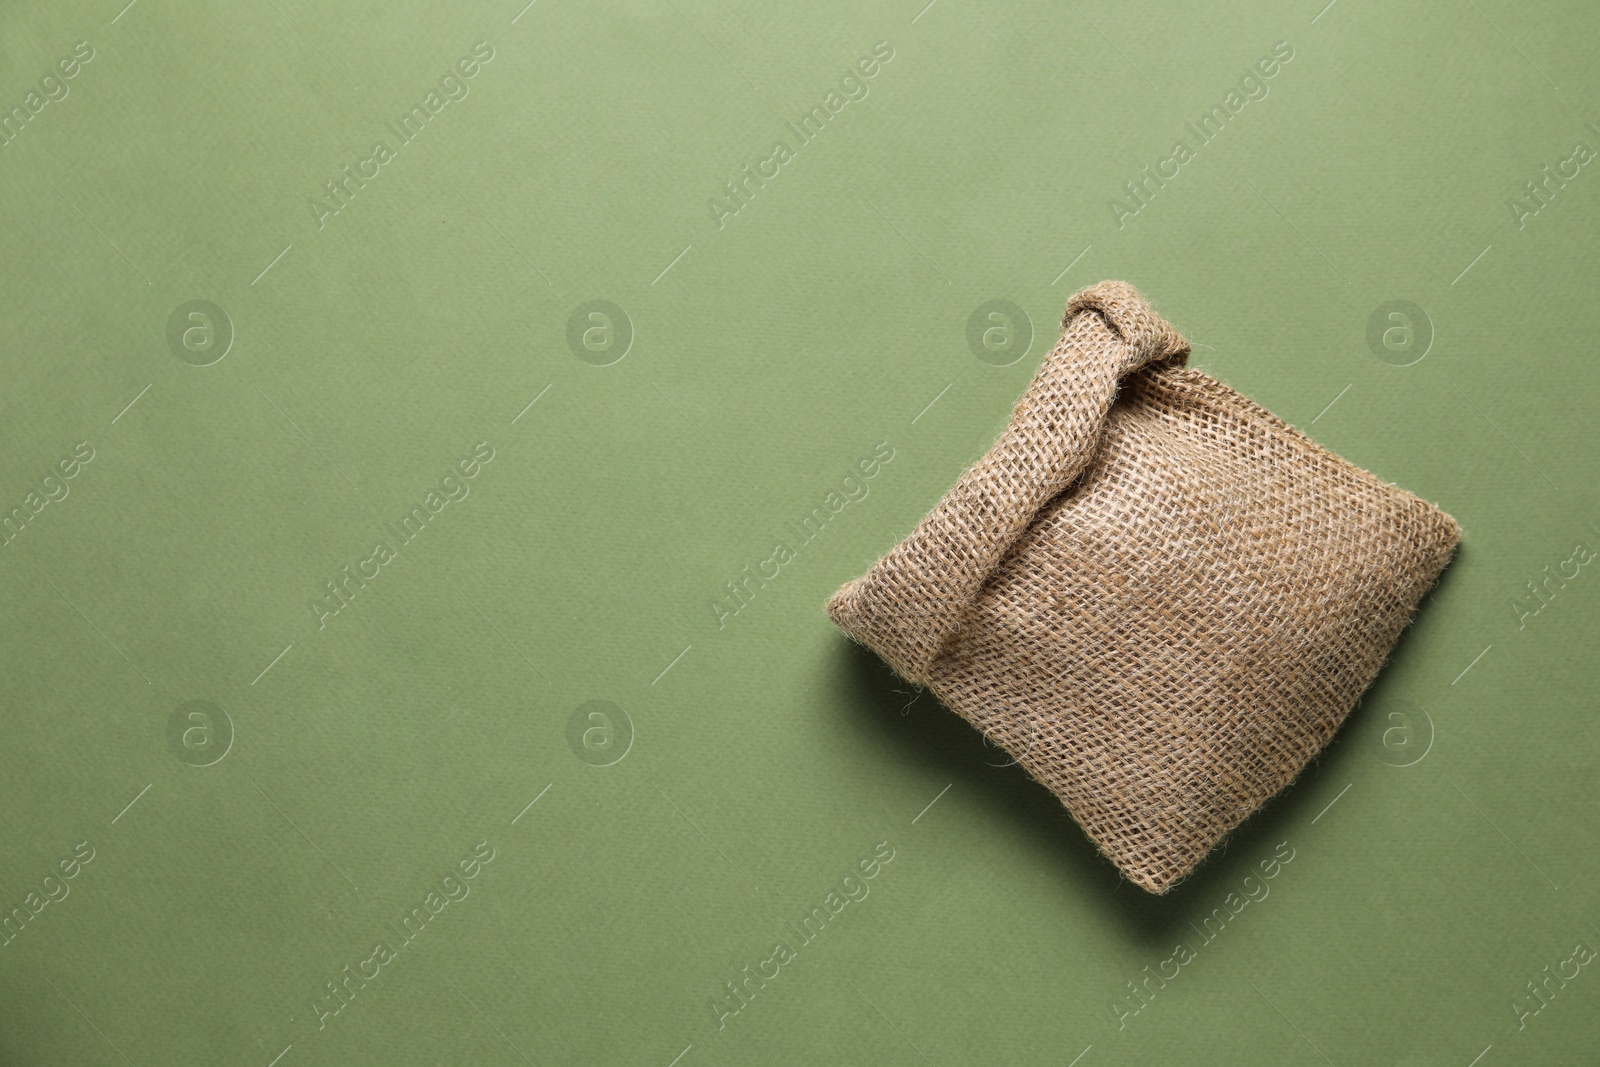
(1442, 846)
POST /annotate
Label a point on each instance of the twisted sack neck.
(913, 600)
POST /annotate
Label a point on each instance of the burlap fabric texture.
(1158, 597)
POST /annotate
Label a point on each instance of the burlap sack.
(1161, 603)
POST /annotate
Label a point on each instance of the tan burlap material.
(1158, 597)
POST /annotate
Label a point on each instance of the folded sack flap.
(913, 599)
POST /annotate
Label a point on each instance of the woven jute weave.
(1158, 597)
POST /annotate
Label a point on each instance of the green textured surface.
(370, 756)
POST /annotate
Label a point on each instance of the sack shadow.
(912, 729)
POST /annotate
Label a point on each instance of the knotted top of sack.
(913, 600)
(1148, 336)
